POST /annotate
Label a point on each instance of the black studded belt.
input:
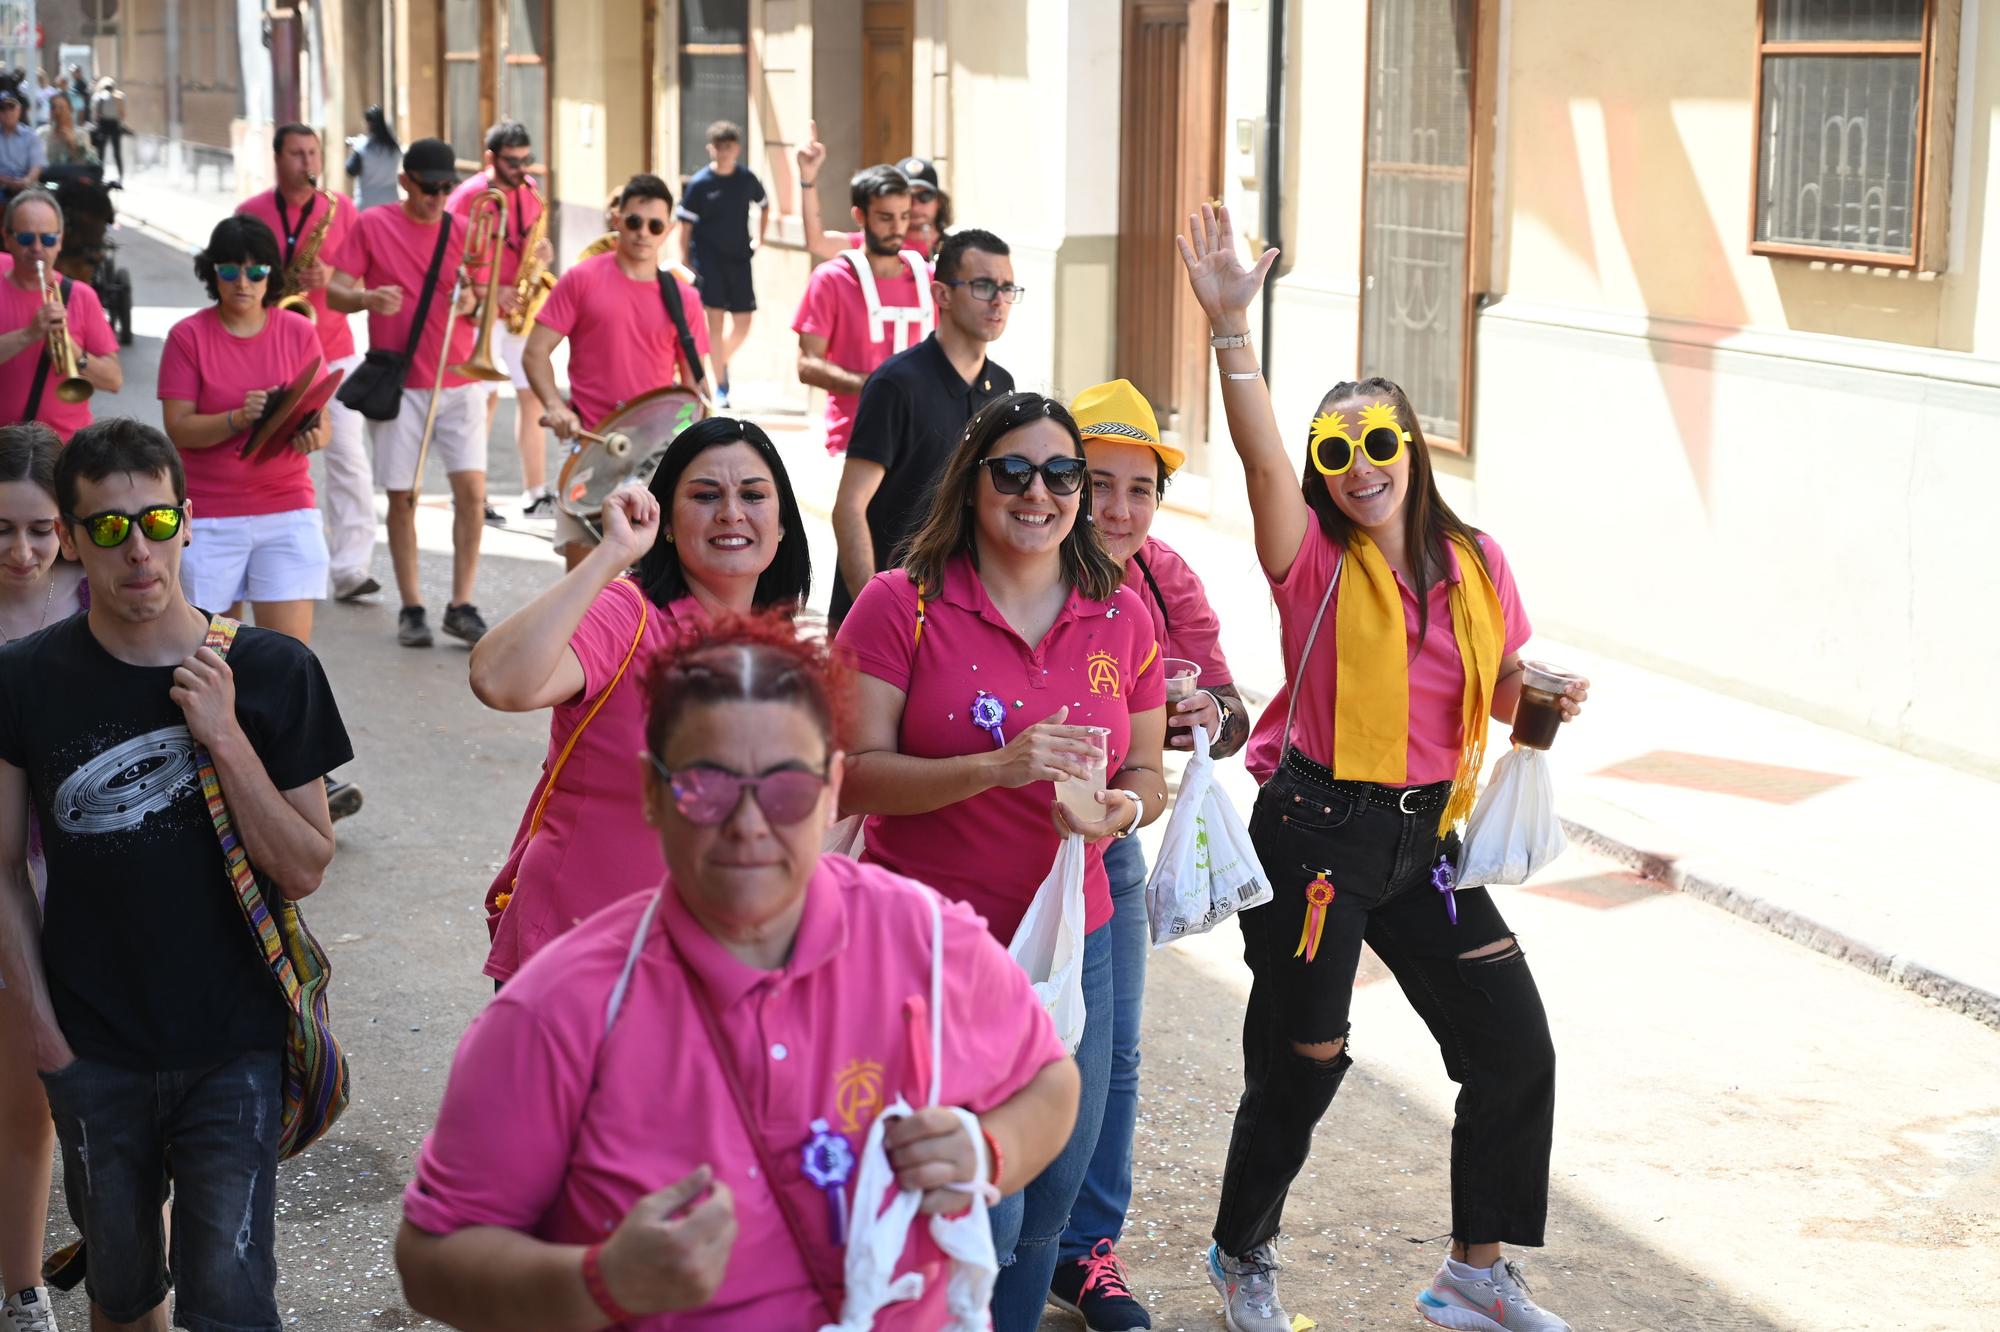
(1402, 799)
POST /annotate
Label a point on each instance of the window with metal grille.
(1854, 121)
(714, 73)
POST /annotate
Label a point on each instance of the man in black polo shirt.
(913, 408)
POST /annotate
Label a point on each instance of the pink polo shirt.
(205, 364)
(1185, 625)
(553, 1128)
(87, 326)
(622, 341)
(594, 846)
(389, 248)
(1099, 659)
(524, 205)
(834, 308)
(1437, 676)
(336, 339)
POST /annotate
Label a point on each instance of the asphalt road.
(1749, 1136)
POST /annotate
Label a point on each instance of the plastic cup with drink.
(1538, 715)
(1079, 794)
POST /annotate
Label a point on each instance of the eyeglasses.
(1012, 474)
(162, 522)
(708, 796)
(653, 224)
(49, 239)
(435, 187)
(230, 272)
(1383, 440)
(985, 289)
(520, 163)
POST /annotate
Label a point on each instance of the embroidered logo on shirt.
(1103, 675)
(857, 1094)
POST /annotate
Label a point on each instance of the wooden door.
(887, 71)
(1170, 157)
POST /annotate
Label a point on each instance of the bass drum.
(636, 437)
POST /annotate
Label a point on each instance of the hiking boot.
(1491, 1301)
(462, 621)
(1095, 1289)
(1249, 1290)
(352, 587)
(342, 798)
(29, 1311)
(411, 631)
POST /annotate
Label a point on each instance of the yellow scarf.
(1371, 718)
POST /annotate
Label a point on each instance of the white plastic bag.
(1207, 869)
(1513, 830)
(1049, 943)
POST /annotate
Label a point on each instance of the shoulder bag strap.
(1298, 674)
(42, 368)
(670, 292)
(1159, 597)
(430, 290)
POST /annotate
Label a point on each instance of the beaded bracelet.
(600, 1293)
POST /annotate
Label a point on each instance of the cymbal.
(278, 409)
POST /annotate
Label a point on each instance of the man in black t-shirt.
(157, 1028)
(715, 242)
(913, 408)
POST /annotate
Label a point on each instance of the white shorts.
(458, 441)
(507, 349)
(255, 557)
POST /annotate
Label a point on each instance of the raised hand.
(1222, 285)
(631, 523)
(811, 154)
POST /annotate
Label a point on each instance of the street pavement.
(1750, 1134)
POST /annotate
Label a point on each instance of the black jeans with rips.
(1484, 1012)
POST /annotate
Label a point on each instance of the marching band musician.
(508, 157)
(35, 304)
(297, 211)
(623, 337)
(381, 269)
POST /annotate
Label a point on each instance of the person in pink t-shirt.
(993, 664)
(930, 206)
(31, 313)
(1401, 631)
(863, 306)
(295, 210)
(718, 531)
(256, 536)
(620, 1138)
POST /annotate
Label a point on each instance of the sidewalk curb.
(147, 226)
(1977, 1003)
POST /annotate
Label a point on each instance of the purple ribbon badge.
(828, 1161)
(987, 714)
(1445, 879)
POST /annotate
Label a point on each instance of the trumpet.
(485, 225)
(71, 386)
(306, 258)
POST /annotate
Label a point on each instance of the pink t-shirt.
(388, 248)
(911, 241)
(1186, 625)
(834, 308)
(524, 205)
(622, 341)
(336, 339)
(1437, 677)
(551, 1127)
(1099, 659)
(87, 326)
(594, 845)
(207, 365)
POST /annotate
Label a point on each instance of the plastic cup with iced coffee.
(1539, 713)
(1182, 677)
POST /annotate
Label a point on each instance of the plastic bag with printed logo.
(1207, 870)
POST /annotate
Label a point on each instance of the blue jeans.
(1027, 1225)
(1099, 1212)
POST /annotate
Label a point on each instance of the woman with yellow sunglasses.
(1401, 630)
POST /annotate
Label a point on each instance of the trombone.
(70, 385)
(485, 226)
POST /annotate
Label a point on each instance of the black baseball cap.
(920, 171)
(431, 161)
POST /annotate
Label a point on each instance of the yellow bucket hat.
(1118, 411)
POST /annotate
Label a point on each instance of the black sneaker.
(411, 631)
(463, 621)
(354, 587)
(493, 518)
(342, 798)
(542, 508)
(1094, 1288)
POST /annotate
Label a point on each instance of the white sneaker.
(29, 1311)
(1495, 1301)
(1249, 1290)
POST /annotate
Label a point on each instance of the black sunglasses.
(435, 187)
(520, 163)
(653, 224)
(49, 239)
(162, 522)
(1012, 474)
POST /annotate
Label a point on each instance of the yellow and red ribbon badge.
(1319, 896)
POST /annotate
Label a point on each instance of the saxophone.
(306, 256)
(532, 282)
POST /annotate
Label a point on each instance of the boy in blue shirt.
(715, 242)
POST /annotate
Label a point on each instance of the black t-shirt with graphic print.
(149, 960)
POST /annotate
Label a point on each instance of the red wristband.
(600, 1294)
(992, 1157)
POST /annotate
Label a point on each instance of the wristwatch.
(1223, 708)
(1224, 341)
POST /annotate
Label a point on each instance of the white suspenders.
(910, 323)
